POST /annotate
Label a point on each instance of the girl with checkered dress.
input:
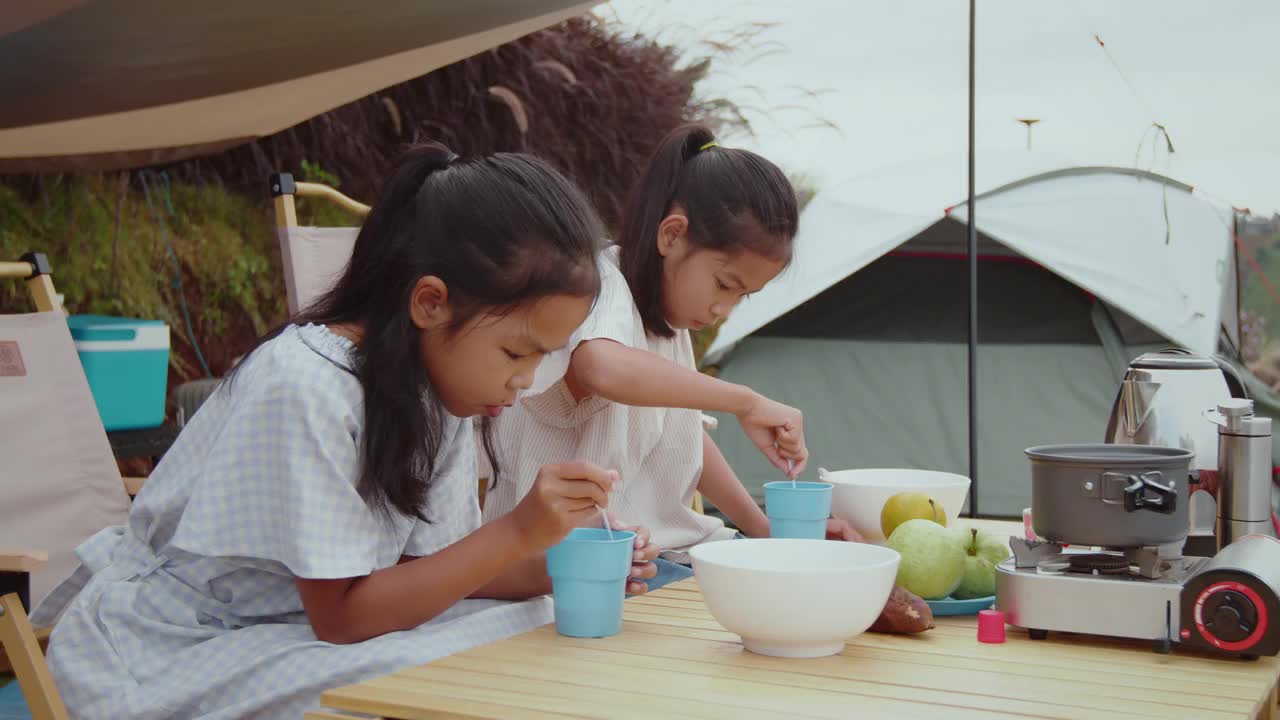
(317, 522)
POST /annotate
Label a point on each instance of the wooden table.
(673, 659)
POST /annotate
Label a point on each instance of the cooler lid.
(106, 327)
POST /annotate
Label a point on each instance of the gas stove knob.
(1230, 616)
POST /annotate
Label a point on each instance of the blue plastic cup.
(589, 571)
(798, 511)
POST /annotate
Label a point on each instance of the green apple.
(906, 506)
(983, 551)
(932, 564)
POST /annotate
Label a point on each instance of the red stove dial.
(1230, 616)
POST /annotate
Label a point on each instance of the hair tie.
(709, 145)
(448, 161)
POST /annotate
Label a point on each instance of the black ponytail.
(735, 200)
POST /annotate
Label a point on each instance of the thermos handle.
(1235, 383)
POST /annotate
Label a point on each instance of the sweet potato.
(903, 613)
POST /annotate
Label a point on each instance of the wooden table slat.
(904, 678)
(674, 660)
(1210, 668)
(825, 695)
(428, 700)
(854, 666)
(606, 688)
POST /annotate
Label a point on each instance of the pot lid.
(1111, 455)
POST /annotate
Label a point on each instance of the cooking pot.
(1110, 495)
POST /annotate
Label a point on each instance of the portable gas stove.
(1229, 603)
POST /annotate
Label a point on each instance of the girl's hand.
(643, 553)
(563, 497)
(778, 431)
(838, 529)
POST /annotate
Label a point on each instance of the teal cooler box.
(127, 363)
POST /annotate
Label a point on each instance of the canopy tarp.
(104, 84)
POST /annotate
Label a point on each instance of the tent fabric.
(821, 259)
(878, 365)
(18, 14)
(906, 298)
(59, 483)
(1139, 241)
(129, 82)
(1104, 229)
(872, 404)
(1081, 270)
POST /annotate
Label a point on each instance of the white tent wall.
(876, 404)
(1139, 241)
(1103, 228)
(1148, 262)
(850, 224)
(821, 260)
(878, 364)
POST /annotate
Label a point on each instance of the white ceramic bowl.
(795, 598)
(860, 495)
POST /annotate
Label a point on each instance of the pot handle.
(1162, 498)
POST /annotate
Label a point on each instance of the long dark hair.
(735, 200)
(500, 231)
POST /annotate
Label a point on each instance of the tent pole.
(973, 288)
(1235, 264)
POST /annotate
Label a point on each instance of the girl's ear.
(671, 233)
(429, 303)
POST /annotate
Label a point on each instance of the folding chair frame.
(283, 188)
(34, 268)
(21, 642)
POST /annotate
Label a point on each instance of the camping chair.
(60, 483)
(34, 268)
(313, 257)
(19, 639)
(21, 642)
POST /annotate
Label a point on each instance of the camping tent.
(102, 84)
(1081, 269)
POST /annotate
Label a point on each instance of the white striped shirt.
(657, 451)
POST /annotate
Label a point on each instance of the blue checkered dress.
(191, 609)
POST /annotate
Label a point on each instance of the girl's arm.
(524, 579)
(629, 376)
(721, 486)
(405, 595)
